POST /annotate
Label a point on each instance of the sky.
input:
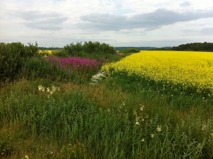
(156, 23)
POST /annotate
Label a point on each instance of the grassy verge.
(83, 121)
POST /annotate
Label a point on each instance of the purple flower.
(73, 63)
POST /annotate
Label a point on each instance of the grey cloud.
(104, 21)
(43, 21)
(207, 31)
(185, 4)
(153, 20)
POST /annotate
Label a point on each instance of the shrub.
(61, 53)
(90, 47)
(12, 58)
(38, 67)
(129, 50)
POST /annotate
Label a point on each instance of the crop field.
(77, 104)
(186, 72)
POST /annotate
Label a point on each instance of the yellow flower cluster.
(176, 67)
(45, 52)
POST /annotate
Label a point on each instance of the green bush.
(12, 59)
(129, 50)
(80, 49)
(61, 53)
(38, 67)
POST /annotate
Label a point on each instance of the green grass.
(118, 117)
(82, 121)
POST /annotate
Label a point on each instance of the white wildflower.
(152, 135)
(159, 128)
(48, 89)
(204, 126)
(142, 107)
(54, 88)
(96, 78)
(137, 123)
(26, 157)
(40, 87)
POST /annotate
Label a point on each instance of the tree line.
(206, 46)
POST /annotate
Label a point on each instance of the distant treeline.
(194, 47)
(137, 48)
(49, 48)
(206, 46)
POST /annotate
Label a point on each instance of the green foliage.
(194, 47)
(135, 83)
(80, 49)
(61, 53)
(83, 129)
(129, 50)
(38, 67)
(12, 58)
(5, 147)
(46, 119)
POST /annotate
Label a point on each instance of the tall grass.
(74, 125)
(64, 69)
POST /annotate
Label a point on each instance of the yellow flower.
(186, 68)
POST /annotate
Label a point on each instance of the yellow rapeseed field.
(178, 67)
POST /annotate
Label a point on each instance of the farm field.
(147, 105)
(188, 72)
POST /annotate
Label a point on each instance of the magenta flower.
(74, 63)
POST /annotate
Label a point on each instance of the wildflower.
(54, 88)
(204, 126)
(142, 140)
(152, 135)
(96, 78)
(51, 92)
(40, 87)
(159, 128)
(48, 89)
(26, 157)
(137, 123)
(142, 108)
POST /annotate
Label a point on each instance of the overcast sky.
(55, 23)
